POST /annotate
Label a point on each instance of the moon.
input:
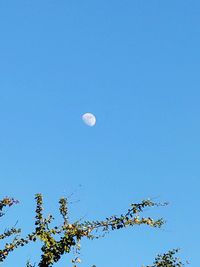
(89, 119)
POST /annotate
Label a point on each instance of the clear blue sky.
(135, 65)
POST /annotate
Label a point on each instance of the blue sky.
(135, 65)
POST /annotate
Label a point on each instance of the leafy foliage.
(59, 240)
(16, 242)
(167, 260)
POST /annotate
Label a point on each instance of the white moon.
(89, 119)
